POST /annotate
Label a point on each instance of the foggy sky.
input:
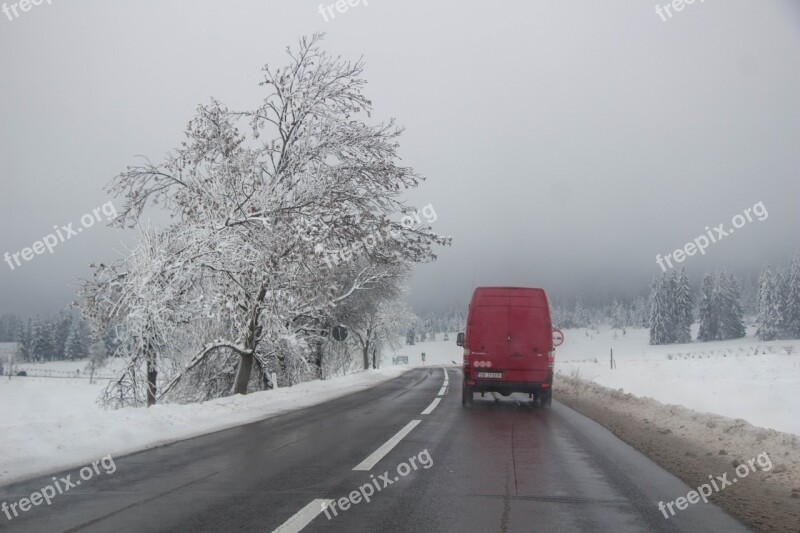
(565, 143)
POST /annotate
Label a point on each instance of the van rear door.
(488, 332)
(530, 334)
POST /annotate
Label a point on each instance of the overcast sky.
(565, 143)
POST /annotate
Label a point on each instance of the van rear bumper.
(482, 385)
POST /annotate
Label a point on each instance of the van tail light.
(551, 358)
(466, 357)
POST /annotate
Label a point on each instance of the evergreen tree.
(75, 347)
(768, 307)
(790, 312)
(619, 315)
(42, 341)
(661, 316)
(684, 307)
(709, 321)
(63, 325)
(25, 350)
(580, 317)
(731, 315)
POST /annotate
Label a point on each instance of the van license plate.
(490, 375)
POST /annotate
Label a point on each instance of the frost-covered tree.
(62, 328)
(97, 358)
(708, 315)
(683, 306)
(74, 348)
(619, 315)
(240, 189)
(42, 348)
(731, 315)
(25, 347)
(580, 316)
(787, 294)
(769, 318)
(662, 327)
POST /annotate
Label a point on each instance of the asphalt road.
(504, 466)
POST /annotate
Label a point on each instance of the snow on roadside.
(742, 378)
(50, 424)
(694, 446)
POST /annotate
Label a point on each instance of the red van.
(508, 344)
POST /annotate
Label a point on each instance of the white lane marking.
(443, 390)
(304, 516)
(378, 454)
(446, 377)
(428, 410)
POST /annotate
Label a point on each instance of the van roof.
(533, 295)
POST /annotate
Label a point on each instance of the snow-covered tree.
(62, 328)
(25, 347)
(708, 315)
(683, 306)
(97, 358)
(619, 315)
(731, 315)
(769, 318)
(789, 297)
(242, 253)
(662, 327)
(74, 346)
(42, 348)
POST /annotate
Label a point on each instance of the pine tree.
(768, 309)
(731, 315)
(42, 341)
(661, 316)
(709, 320)
(75, 347)
(684, 306)
(25, 350)
(63, 326)
(619, 315)
(790, 309)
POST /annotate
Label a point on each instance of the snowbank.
(695, 445)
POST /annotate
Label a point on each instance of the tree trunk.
(366, 355)
(243, 373)
(246, 359)
(152, 373)
(318, 359)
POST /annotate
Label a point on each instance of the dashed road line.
(378, 454)
(304, 516)
(428, 410)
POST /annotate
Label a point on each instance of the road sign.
(558, 337)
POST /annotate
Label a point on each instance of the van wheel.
(546, 399)
(466, 394)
